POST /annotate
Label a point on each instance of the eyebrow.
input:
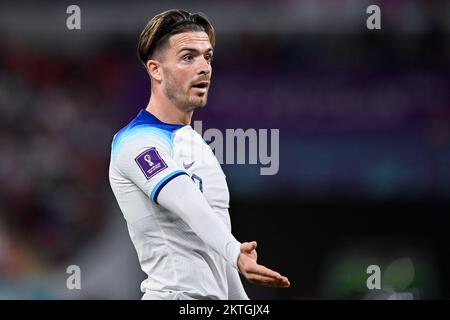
(194, 50)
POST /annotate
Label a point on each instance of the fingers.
(263, 271)
(281, 282)
(262, 275)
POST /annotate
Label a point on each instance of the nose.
(204, 67)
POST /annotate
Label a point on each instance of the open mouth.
(201, 85)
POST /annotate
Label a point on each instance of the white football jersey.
(145, 156)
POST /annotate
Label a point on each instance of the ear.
(154, 69)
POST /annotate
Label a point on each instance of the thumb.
(248, 246)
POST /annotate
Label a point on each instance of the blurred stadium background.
(364, 119)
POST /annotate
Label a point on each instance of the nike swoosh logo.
(187, 166)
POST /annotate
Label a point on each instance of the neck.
(166, 111)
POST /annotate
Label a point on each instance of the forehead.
(198, 40)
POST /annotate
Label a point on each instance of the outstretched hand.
(256, 273)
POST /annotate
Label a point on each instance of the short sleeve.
(146, 158)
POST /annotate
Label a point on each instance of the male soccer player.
(167, 181)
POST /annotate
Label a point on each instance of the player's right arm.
(184, 198)
(146, 159)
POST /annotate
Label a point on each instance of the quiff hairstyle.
(159, 29)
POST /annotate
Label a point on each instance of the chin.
(199, 103)
(203, 104)
(197, 106)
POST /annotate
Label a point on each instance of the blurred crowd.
(56, 125)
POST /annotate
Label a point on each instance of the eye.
(209, 57)
(187, 57)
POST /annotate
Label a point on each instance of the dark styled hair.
(159, 29)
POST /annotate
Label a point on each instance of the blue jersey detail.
(145, 123)
(163, 182)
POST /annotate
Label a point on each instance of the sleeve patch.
(150, 163)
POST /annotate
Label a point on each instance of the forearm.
(183, 198)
